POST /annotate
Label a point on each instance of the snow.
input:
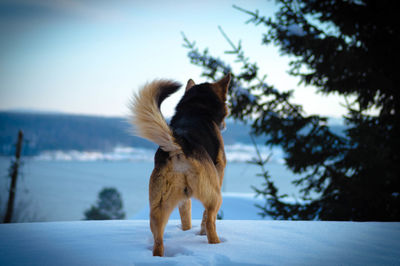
(244, 242)
(237, 152)
(117, 154)
(240, 91)
(295, 30)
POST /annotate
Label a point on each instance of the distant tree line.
(76, 132)
(65, 132)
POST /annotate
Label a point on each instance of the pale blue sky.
(88, 57)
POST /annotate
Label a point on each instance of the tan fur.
(189, 84)
(180, 178)
(150, 123)
(202, 181)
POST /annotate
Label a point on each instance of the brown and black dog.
(190, 160)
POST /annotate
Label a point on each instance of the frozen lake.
(61, 190)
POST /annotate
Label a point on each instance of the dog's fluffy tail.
(146, 115)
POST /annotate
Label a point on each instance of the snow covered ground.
(244, 242)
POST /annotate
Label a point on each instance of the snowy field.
(243, 243)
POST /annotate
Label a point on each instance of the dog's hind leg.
(185, 209)
(161, 206)
(166, 191)
(158, 220)
(159, 215)
(210, 217)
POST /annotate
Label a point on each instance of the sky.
(89, 57)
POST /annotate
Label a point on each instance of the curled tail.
(146, 115)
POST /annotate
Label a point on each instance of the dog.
(190, 160)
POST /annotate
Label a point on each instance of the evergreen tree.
(347, 47)
(109, 206)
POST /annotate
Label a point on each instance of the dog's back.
(193, 124)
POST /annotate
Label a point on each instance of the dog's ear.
(189, 84)
(222, 86)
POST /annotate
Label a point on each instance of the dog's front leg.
(185, 211)
(203, 224)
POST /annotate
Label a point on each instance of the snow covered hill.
(243, 243)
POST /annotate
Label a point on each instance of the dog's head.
(213, 96)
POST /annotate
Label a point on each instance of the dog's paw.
(214, 241)
(185, 227)
(158, 250)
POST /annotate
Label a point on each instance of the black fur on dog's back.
(195, 120)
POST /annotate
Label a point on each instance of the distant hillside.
(64, 132)
(77, 132)
(44, 131)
